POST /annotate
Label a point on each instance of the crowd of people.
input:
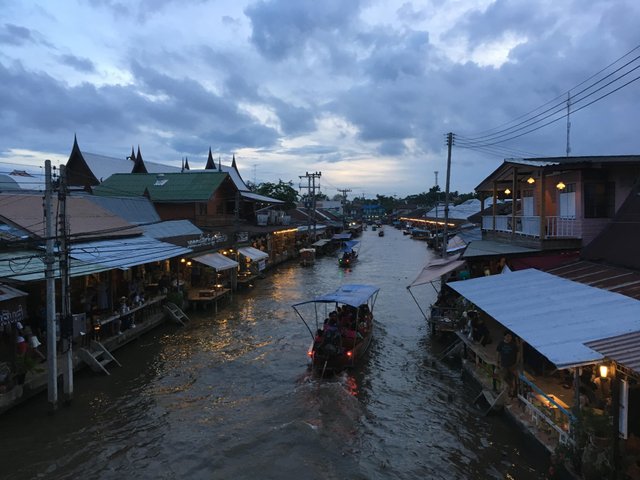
(343, 328)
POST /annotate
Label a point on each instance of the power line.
(556, 112)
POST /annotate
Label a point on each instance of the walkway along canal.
(229, 396)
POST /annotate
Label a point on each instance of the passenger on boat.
(332, 339)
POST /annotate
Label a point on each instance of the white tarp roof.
(125, 252)
(253, 253)
(436, 268)
(217, 261)
(554, 315)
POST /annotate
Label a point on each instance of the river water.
(229, 396)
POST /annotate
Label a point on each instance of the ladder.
(97, 357)
(492, 399)
(175, 313)
(451, 349)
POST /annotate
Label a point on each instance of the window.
(202, 208)
(599, 200)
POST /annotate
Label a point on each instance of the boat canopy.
(436, 268)
(348, 245)
(354, 295)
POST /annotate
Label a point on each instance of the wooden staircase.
(97, 357)
(175, 313)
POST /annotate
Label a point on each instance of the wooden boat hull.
(346, 263)
(329, 361)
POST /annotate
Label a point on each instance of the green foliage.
(282, 191)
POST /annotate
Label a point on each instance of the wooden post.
(495, 200)
(543, 219)
(514, 196)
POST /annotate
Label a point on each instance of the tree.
(282, 191)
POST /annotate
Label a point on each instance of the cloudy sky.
(362, 91)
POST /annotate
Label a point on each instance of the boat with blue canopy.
(343, 323)
(348, 253)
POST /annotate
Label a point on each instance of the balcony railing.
(555, 227)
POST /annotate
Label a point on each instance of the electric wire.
(562, 103)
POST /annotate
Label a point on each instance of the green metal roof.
(163, 187)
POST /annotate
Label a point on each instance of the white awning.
(217, 261)
(436, 268)
(554, 315)
(126, 252)
(253, 253)
(321, 243)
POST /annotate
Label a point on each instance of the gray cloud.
(78, 63)
(282, 28)
(307, 60)
(15, 35)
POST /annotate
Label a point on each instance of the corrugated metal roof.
(21, 181)
(614, 279)
(103, 166)
(554, 315)
(483, 248)
(135, 210)
(28, 266)
(168, 187)
(622, 349)
(459, 212)
(260, 198)
(126, 252)
(171, 228)
(86, 220)
(530, 162)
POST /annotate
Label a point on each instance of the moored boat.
(343, 326)
(307, 256)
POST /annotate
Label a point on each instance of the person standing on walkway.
(507, 362)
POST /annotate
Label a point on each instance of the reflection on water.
(229, 396)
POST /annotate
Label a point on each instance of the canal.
(229, 396)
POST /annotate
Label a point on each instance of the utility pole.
(568, 123)
(49, 260)
(344, 192)
(66, 326)
(311, 189)
(436, 192)
(450, 137)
